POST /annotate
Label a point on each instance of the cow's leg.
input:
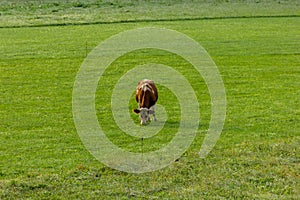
(152, 111)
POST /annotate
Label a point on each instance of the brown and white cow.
(146, 95)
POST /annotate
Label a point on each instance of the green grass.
(45, 12)
(168, 99)
(256, 157)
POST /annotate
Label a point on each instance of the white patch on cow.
(144, 115)
(146, 87)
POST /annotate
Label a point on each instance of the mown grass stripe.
(150, 20)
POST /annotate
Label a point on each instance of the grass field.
(42, 12)
(257, 155)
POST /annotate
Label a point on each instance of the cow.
(146, 96)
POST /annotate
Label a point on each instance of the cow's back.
(146, 93)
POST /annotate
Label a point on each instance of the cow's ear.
(151, 111)
(137, 111)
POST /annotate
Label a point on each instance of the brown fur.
(146, 97)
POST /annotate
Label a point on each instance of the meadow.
(255, 45)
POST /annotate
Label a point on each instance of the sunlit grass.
(41, 155)
(45, 12)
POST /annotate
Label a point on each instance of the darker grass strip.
(149, 20)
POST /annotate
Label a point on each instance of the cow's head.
(144, 114)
